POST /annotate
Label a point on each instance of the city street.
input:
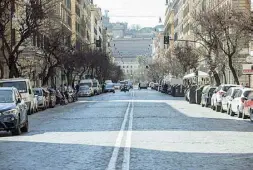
(137, 130)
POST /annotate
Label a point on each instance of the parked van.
(96, 86)
(25, 89)
(87, 82)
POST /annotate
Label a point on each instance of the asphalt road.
(139, 130)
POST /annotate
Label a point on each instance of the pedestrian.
(139, 86)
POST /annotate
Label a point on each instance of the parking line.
(127, 149)
(113, 160)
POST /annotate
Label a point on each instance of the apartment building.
(96, 25)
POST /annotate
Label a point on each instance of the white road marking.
(127, 149)
(113, 160)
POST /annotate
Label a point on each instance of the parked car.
(96, 87)
(199, 94)
(25, 89)
(43, 98)
(236, 106)
(248, 107)
(88, 82)
(52, 97)
(143, 85)
(36, 105)
(109, 88)
(206, 95)
(84, 91)
(13, 110)
(227, 98)
(117, 86)
(217, 96)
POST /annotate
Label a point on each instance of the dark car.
(109, 88)
(199, 94)
(52, 97)
(207, 95)
(13, 111)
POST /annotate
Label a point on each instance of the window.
(69, 20)
(77, 11)
(229, 92)
(77, 27)
(246, 93)
(239, 93)
(68, 4)
(250, 96)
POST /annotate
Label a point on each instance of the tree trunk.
(231, 67)
(47, 76)
(216, 78)
(2, 70)
(69, 77)
(224, 73)
(13, 70)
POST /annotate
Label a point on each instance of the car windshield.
(109, 86)
(6, 96)
(37, 92)
(20, 85)
(225, 88)
(85, 84)
(84, 88)
(246, 93)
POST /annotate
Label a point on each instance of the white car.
(25, 89)
(227, 98)
(217, 95)
(236, 106)
(36, 104)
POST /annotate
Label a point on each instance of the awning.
(192, 75)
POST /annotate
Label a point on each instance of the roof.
(6, 88)
(192, 75)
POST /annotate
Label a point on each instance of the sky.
(120, 9)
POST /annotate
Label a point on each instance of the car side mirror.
(18, 100)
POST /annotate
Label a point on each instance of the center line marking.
(127, 149)
(113, 160)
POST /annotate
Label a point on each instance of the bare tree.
(19, 19)
(186, 57)
(57, 48)
(233, 35)
(205, 30)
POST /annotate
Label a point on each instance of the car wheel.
(17, 130)
(251, 116)
(244, 116)
(217, 108)
(29, 112)
(26, 127)
(239, 114)
(222, 110)
(231, 112)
